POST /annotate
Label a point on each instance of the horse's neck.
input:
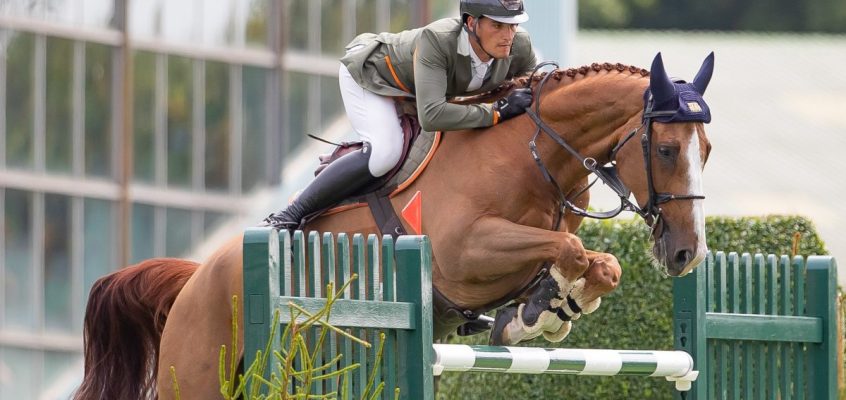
(588, 116)
(592, 116)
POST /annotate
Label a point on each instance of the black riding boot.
(341, 179)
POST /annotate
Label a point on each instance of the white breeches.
(374, 119)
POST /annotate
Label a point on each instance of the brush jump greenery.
(286, 380)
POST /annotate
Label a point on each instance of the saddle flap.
(341, 150)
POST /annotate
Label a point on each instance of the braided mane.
(557, 75)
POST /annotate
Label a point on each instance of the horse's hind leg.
(538, 313)
(199, 323)
(549, 312)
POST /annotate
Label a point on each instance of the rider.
(430, 65)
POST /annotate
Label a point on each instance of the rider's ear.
(470, 22)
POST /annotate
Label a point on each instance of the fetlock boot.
(574, 307)
(543, 302)
(342, 178)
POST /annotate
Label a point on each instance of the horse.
(501, 206)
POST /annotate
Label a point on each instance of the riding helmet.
(505, 11)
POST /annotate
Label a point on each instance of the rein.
(651, 212)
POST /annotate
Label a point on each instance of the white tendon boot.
(558, 335)
(547, 319)
(578, 297)
(516, 331)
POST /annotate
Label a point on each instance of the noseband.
(651, 212)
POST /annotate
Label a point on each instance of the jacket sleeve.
(430, 81)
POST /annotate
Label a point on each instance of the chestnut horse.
(501, 206)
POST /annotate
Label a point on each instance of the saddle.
(418, 148)
(410, 130)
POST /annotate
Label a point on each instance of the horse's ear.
(704, 74)
(659, 83)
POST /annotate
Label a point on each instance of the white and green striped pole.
(676, 366)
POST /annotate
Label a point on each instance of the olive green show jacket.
(425, 64)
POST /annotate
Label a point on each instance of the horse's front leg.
(601, 278)
(551, 307)
(493, 257)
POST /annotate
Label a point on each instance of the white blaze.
(694, 177)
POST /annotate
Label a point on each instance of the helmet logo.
(512, 5)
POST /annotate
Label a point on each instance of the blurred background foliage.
(820, 16)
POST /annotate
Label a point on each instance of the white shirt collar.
(465, 49)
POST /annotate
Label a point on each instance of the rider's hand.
(514, 104)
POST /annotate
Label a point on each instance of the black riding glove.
(514, 104)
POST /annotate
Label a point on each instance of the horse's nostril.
(683, 257)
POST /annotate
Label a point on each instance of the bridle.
(651, 212)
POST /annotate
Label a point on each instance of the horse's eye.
(665, 151)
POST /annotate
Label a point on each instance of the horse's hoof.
(503, 317)
(560, 334)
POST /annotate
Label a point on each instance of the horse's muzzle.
(679, 261)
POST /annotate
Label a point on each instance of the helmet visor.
(514, 19)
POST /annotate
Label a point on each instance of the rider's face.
(496, 37)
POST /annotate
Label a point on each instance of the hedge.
(637, 315)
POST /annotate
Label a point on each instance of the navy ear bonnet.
(677, 100)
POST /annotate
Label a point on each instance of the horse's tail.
(124, 320)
